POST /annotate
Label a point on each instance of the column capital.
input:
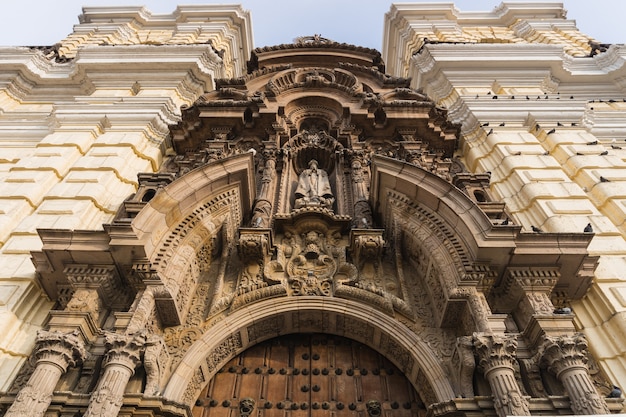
(495, 351)
(566, 356)
(561, 353)
(124, 349)
(58, 348)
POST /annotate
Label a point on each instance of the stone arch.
(178, 228)
(454, 217)
(464, 251)
(271, 317)
(185, 209)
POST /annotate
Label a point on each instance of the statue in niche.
(314, 188)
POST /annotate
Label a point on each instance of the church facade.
(313, 228)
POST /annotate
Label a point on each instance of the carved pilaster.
(362, 211)
(262, 210)
(54, 353)
(124, 353)
(144, 308)
(465, 365)
(566, 357)
(479, 308)
(497, 358)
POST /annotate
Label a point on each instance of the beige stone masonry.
(78, 123)
(558, 162)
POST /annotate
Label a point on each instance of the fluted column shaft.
(123, 355)
(566, 357)
(54, 352)
(496, 356)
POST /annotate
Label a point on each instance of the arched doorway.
(301, 375)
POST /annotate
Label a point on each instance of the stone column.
(497, 357)
(123, 355)
(54, 353)
(566, 357)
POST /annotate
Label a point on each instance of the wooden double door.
(303, 375)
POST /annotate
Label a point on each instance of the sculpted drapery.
(314, 188)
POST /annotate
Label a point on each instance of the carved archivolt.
(341, 317)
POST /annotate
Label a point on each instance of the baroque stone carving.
(54, 353)
(497, 358)
(566, 357)
(123, 354)
(155, 363)
(314, 188)
(311, 271)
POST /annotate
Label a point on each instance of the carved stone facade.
(315, 195)
(541, 108)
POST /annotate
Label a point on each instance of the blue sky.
(360, 22)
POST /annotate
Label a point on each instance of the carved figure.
(314, 188)
(154, 356)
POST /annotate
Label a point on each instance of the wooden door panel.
(307, 375)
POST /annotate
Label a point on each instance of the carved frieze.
(356, 329)
(260, 330)
(224, 351)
